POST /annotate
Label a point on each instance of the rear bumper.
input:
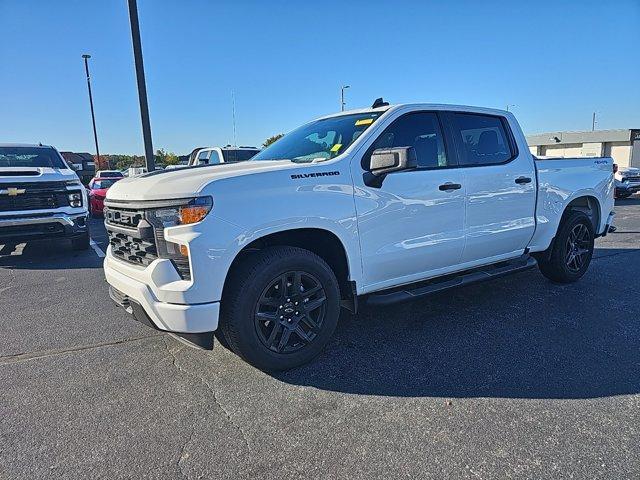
(42, 226)
(170, 317)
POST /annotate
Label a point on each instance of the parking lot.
(512, 378)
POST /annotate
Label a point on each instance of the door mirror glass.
(387, 160)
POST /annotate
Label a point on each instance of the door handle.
(449, 186)
(520, 180)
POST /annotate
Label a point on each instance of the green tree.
(272, 139)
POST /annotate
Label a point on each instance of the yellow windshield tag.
(336, 147)
(364, 121)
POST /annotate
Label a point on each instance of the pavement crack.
(184, 454)
(26, 356)
(211, 390)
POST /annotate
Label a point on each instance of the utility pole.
(342, 89)
(93, 116)
(593, 122)
(142, 87)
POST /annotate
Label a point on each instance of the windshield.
(319, 140)
(30, 157)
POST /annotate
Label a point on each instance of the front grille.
(36, 196)
(34, 230)
(632, 179)
(136, 237)
(131, 237)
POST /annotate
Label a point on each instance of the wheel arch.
(587, 204)
(324, 243)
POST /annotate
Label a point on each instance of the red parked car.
(97, 192)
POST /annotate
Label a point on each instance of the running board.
(451, 281)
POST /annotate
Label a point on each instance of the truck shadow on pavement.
(47, 255)
(517, 337)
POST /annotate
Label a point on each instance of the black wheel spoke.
(302, 334)
(314, 304)
(311, 323)
(284, 339)
(274, 334)
(311, 291)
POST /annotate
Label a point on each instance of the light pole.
(342, 89)
(142, 87)
(86, 57)
(593, 122)
(510, 105)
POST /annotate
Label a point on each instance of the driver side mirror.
(388, 160)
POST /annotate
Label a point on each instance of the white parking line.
(96, 248)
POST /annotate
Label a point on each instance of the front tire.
(280, 307)
(572, 249)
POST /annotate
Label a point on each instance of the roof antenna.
(379, 102)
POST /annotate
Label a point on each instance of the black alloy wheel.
(290, 312)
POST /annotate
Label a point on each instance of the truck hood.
(186, 182)
(35, 174)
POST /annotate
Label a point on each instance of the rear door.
(500, 187)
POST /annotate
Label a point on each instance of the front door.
(412, 226)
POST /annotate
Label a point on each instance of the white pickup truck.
(40, 197)
(380, 205)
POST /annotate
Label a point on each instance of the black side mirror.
(388, 160)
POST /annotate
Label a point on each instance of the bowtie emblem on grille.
(12, 192)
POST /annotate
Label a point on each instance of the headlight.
(192, 212)
(75, 199)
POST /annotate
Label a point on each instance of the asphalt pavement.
(514, 378)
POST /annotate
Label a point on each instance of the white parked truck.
(41, 197)
(382, 205)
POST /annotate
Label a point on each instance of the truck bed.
(560, 180)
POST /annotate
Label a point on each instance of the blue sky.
(556, 61)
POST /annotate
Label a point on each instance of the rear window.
(482, 139)
(98, 184)
(238, 155)
(30, 157)
(111, 174)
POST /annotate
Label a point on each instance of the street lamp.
(510, 105)
(86, 57)
(342, 89)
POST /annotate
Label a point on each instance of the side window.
(203, 156)
(215, 158)
(419, 130)
(482, 139)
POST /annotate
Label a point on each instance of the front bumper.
(627, 188)
(170, 317)
(35, 226)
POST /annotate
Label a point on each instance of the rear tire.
(570, 254)
(280, 307)
(81, 242)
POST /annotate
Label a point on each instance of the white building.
(622, 145)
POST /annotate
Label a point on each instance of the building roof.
(596, 136)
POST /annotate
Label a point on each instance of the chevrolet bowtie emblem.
(12, 192)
